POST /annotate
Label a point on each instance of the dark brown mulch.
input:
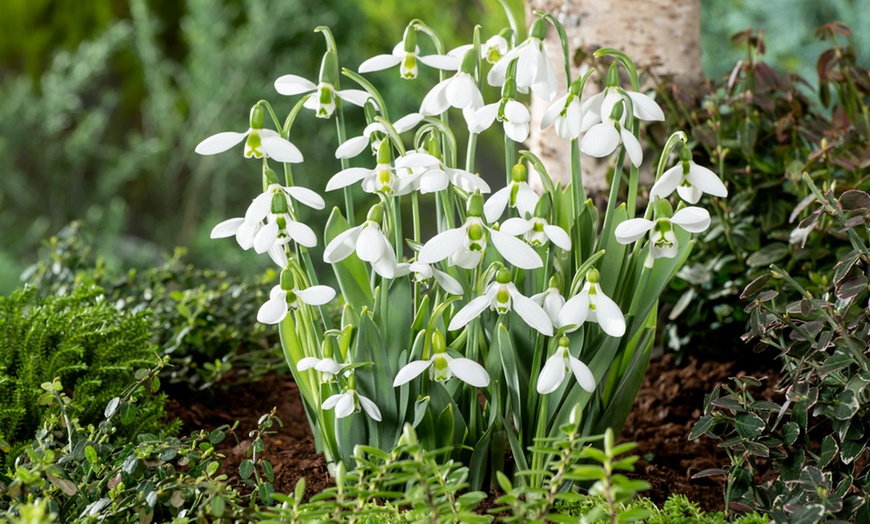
(669, 402)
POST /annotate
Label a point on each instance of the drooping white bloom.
(513, 115)
(381, 179)
(593, 305)
(423, 272)
(459, 91)
(407, 60)
(503, 296)
(464, 245)
(427, 174)
(551, 300)
(243, 231)
(328, 368)
(597, 108)
(534, 69)
(565, 113)
(494, 48)
(442, 367)
(322, 101)
(663, 241)
(689, 179)
(369, 243)
(556, 368)
(604, 137)
(537, 232)
(350, 402)
(372, 134)
(259, 143)
(517, 194)
(282, 300)
(275, 206)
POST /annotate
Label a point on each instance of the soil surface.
(668, 404)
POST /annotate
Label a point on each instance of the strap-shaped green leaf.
(352, 273)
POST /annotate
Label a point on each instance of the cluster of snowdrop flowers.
(495, 282)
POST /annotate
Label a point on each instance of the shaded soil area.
(669, 402)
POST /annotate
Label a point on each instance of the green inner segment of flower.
(476, 237)
(409, 67)
(385, 179)
(660, 235)
(253, 145)
(502, 301)
(440, 371)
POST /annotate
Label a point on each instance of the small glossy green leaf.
(749, 425)
(246, 469)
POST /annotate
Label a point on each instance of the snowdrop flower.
(663, 241)
(689, 179)
(406, 54)
(369, 243)
(322, 101)
(259, 142)
(442, 367)
(350, 401)
(556, 368)
(372, 133)
(534, 69)
(464, 246)
(274, 207)
(328, 368)
(593, 305)
(494, 48)
(537, 232)
(428, 174)
(459, 91)
(513, 115)
(551, 300)
(282, 300)
(382, 179)
(517, 194)
(503, 296)
(565, 114)
(424, 272)
(243, 231)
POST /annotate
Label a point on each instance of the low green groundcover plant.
(485, 336)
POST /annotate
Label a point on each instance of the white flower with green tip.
(275, 206)
(406, 54)
(537, 232)
(323, 98)
(459, 91)
(565, 114)
(513, 115)
(259, 142)
(349, 402)
(442, 367)
(369, 243)
(503, 296)
(518, 194)
(591, 304)
(663, 241)
(551, 300)
(464, 245)
(556, 369)
(427, 174)
(372, 135)
(328, 368)
(281, 301)
(424, 272)
(383, 178)
(689, 179)
(534, 69)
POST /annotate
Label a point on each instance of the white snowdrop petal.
(278, 255)
(279, 148)
(468, 313)
(483, 118)
(220, 142)
(307, 363)
(266, 237)
(582, 373)
(227, 228)
(346, 177)
(407, 122)
(441, 246)
(496, 204)
(342, 245)
(330, 402)
(410, 371)
(706, 180)
(416, 159)
(435, 102)
(575, 311)
(260, 207)
(689, 194)
(379, 63)
(386, 265)
(273, 311)
(357, 97)
(289, 85)
(527, 199)
(601, 140)
(609, 316)
(433, 181)
(515, 251)
(632, 146)
(692, 219)
(468, 371)
(644, 107)
(552, 374)
(516, 112)
(369, 246)
(370, 408)
(301, 233)
(306, 196)
(517, 132)
(328, 365)
(460, 90)
(247, 233)
(667, 183)
(316, 295)
(352, 147)
(443, 62)
(553, 111)
(468, 182)
(345, 405)
(533, 314)
(516, 226)
(447, 282)
(558, 236)
(631, 230)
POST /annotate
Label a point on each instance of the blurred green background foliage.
(102, 103)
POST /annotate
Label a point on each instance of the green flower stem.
(611, 201)
(578, 193)
(469, 154)
(271, 111)
(342, 134)
(415, 211)
(563, 39)
(854, 239)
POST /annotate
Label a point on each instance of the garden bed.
(667, 405)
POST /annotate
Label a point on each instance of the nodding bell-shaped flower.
(328, 368)
(534, 69)
(406, 54)
(274, 207)
(384, 178)
(492, 50)
(369, 243)
(349, 402)
(464, 245)
(424, 272)
(565, 114)
(593, 305)
(459, 91)
(517, 194)
(513, 115)
(322, 101)
(503, 296)
(373, 133)
(557, 366)
(286, 296)
(551, 300)
(663, 241)
(259, 142)
(689, 179)
(428, 174)
(442, 367)
(537, 231)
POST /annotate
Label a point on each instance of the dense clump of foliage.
(79, 337)
(762, 130)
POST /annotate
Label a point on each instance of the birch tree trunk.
(661, 34)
